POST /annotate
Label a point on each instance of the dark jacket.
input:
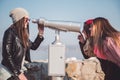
(13, 50)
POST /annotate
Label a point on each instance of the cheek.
(26, 25)
(92, 31)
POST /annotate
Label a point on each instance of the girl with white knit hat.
(16, 43)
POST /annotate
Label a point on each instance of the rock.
(88, 69)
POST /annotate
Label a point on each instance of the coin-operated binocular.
(56, 58)
(59, 25)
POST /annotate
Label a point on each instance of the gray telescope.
(59, 25)
(57, 49)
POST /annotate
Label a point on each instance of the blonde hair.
(104, 29)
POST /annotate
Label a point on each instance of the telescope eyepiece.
(38, 21)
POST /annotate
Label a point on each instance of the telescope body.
(57, 49)
(59, 25)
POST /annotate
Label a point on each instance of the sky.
(66, 10)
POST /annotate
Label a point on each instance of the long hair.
(86, 28)
(104, 29)
(22, 32)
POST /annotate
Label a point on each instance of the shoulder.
(10, 30)
(108, 40)
(8, 34)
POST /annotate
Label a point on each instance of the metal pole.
(57, 42)
(57, 38)
(57, 78)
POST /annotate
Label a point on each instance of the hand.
(22, 77)
(81, 38)
(41, 29)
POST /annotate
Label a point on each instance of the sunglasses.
(27, 19)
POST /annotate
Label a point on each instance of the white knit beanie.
(17, 14)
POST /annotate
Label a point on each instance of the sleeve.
(7, 52)
(88, 49)
(27, 56)
(112, 51)
(82, 50)
(34, 45)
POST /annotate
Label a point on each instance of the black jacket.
(13, 50)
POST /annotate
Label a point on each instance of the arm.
(82, 50)
(34, 45)
(81, 44)
(39, 39)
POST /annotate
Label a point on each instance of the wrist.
(40, 35)
(16, 73)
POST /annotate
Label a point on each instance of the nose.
(90, 28)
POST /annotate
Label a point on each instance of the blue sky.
(69, 10)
